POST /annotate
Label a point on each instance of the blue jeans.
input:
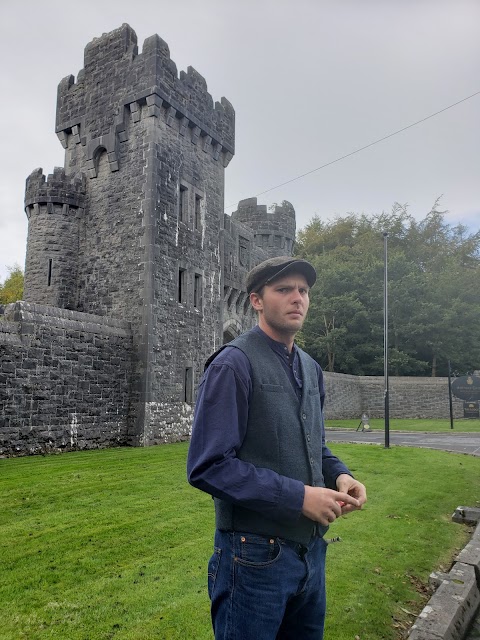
(265, 588)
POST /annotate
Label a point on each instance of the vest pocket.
(271, 388)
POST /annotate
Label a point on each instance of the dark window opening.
(182, 285)
(197, 291)
(183, 203)
(188, 386)
(49, 281)
(198, 211)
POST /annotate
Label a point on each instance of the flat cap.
(272, 268)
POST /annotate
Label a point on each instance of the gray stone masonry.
(410, 397)
(133, 227)
(65, 380)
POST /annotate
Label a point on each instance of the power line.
(371, 144)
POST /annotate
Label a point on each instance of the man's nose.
(296, 295)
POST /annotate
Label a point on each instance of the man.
(258, 447)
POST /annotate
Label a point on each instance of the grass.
(113, 544)
(412, 424)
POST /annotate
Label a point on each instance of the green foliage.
(434, 298)
(12, 289)
(114, 543)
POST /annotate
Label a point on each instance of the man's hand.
(352, 487)
(324, 505)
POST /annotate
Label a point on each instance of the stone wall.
(65, 380)
(410, 397)
(343, 396)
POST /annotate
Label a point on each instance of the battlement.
(112, 46)
(249, 211)
(274, 231)
(57, 188)
(120, 83)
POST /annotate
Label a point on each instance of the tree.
(12, 289)
(434, 301)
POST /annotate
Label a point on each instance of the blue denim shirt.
(220, 424)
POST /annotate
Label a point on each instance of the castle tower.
(274, 230)
(54, 207)
(251, 234)
(153, 147)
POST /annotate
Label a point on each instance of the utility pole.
(450, 394)
(385, 338)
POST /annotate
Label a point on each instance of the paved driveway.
(458, 442)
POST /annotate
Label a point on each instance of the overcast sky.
(310, 81)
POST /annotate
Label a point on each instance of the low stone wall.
(65, 380)
(66, 383)
(410, 397)
(343, 396)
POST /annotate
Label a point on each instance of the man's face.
(282, 305)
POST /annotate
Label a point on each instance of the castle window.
(188, 386)
(183, 203)
(197, 291)
(182, 285)
(198, 211)
(49, 279)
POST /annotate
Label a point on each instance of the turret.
(53, 206)
(274, 230)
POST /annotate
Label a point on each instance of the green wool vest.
(283, 434)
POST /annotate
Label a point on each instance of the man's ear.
(256, 301)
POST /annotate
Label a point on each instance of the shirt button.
(311, 460)
(308, 437)
(304, 416)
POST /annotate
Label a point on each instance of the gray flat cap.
(272, 268)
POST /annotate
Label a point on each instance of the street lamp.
(385, 338)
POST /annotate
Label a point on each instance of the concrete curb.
(451, 609)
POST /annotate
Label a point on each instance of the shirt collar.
(279, 347)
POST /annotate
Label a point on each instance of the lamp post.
(450, 402)
(385, 338)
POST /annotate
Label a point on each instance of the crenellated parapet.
(56, 189)
(118, 85)
(274, 230)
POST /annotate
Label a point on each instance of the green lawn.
(414, 424)
(113, 544)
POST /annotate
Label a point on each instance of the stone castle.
(129, 244)
(134, 275)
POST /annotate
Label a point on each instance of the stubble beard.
(284, 328)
